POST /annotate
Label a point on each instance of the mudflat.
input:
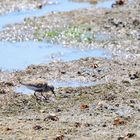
(106, 109)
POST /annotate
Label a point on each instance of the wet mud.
(97, 97)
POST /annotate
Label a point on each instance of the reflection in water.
(17, 56)
(23, 90)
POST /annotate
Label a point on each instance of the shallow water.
(61, 6)
(23, 90)
(105, 4)
(19, 55)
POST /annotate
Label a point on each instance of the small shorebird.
(39, 86)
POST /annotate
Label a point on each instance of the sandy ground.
(108, 110)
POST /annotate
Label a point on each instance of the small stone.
(63, 72)
(130, 135)
(136, 22)
(117, 105)
(39, 6)
(42, 111)
(37, 127)
(58, 110)
(79, 73)
(132, 101)
(84, 106)
(77, 124)
(90, 114)
(61, 137)
(120, 138)
(95, 66)
(29, 71)
(52, 117)
(104, 125)
(134, 75)
(2, 91)
(131, 105)
(119, 121)
(8, 129)
(101, 104)
(87, 125)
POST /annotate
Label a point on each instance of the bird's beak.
(53, 92)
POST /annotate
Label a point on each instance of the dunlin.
(39, 86)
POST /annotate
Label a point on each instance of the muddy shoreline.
(109, 109)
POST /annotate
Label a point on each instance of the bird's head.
(52, 89)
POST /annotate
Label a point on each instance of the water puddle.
(60, 6)
(105, 4)
(19, 55)
(23, 90)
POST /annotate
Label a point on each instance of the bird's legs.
(44, 96)
(41, 95)
(36, 95)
